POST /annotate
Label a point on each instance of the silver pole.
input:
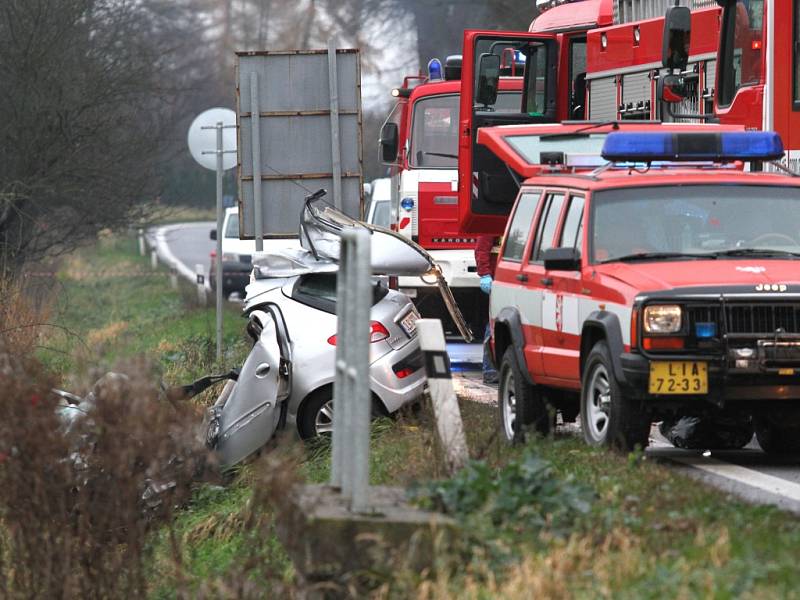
(255, 116)
(220, 234)
(336, 158)
(361, 395)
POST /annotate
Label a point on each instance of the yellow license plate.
(678, 377)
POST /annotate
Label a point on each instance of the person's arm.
(483, 253)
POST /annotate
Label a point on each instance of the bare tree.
(83, 100)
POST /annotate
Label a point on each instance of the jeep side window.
(547, 226)
(521, 225)
(571, 232)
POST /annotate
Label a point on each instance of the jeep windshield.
(694, 222)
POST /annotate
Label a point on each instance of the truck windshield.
(434, 129)
(694, 221)
(741, 47)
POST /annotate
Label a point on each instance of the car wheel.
(519, 403)
(776, 439)
(608, 417)
(316, 416)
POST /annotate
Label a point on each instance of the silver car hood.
(391, 254)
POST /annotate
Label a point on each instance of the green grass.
(651, 531)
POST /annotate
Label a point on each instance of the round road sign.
(202, 140)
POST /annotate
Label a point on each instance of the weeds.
(79, 496)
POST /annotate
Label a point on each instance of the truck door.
(486, 188)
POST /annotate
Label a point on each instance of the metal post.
(220, 234)
(352, 396)
(336, 158)
(255, 115)
(173, 277)
(445, 404)
(200, 272)
(153, 259)
(142, 250)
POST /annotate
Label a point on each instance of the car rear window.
(319, 291)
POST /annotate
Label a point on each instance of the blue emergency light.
(435, 70)
(692, 146)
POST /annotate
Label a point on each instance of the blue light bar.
(435, 70)
(705, 330)
(692, 146)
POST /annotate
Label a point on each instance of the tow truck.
(646, 275)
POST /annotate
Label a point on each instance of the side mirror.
(562, 259)
(677, 32)
(367, 190)
(488, 79)
(672, 88)
(389, 140)
(213, 234)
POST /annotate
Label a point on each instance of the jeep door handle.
(522, 277)
(547, 281)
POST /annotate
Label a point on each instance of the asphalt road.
(188, 243)
(748, 473)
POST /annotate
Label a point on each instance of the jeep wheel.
(608, 418)
(519, 403)
(776, 439)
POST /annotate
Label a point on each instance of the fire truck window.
(577, 75)
(742, 42)
(570, 233)
(536, 96)
(547, 226)
(434, 137)
(520, 226)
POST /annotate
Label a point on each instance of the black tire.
(777, 439)
(608, 417)
(519, 403)
(316, 414)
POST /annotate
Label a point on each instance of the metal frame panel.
(295, 152)
(603, 99)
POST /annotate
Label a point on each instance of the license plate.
(678, 377)
(409, 323)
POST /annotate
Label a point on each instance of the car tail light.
(377, 333)
(213, 254)
(403, 373)
(393, 283)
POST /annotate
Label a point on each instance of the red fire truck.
(419, 144)
(659, 283)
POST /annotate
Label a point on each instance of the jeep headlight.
(664, 318)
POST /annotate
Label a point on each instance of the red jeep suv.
(663, 283)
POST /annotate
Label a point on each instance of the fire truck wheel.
(608, 418)
(519, 403)
(776, 439)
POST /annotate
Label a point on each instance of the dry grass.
(24, 312)
(75, 521)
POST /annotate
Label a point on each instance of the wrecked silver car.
(291, 309)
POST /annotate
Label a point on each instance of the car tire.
(608, 417)
(316, 414)
(776, 439)
(519, 403)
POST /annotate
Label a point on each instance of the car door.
(544, 238)
(247, 417)
(562, 316)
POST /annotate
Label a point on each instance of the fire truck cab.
(646, 276)
(420, 145)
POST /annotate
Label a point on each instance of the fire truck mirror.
(388, 142)
(488, 79)
(677, 32)
(562, 259)
(672, 89)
